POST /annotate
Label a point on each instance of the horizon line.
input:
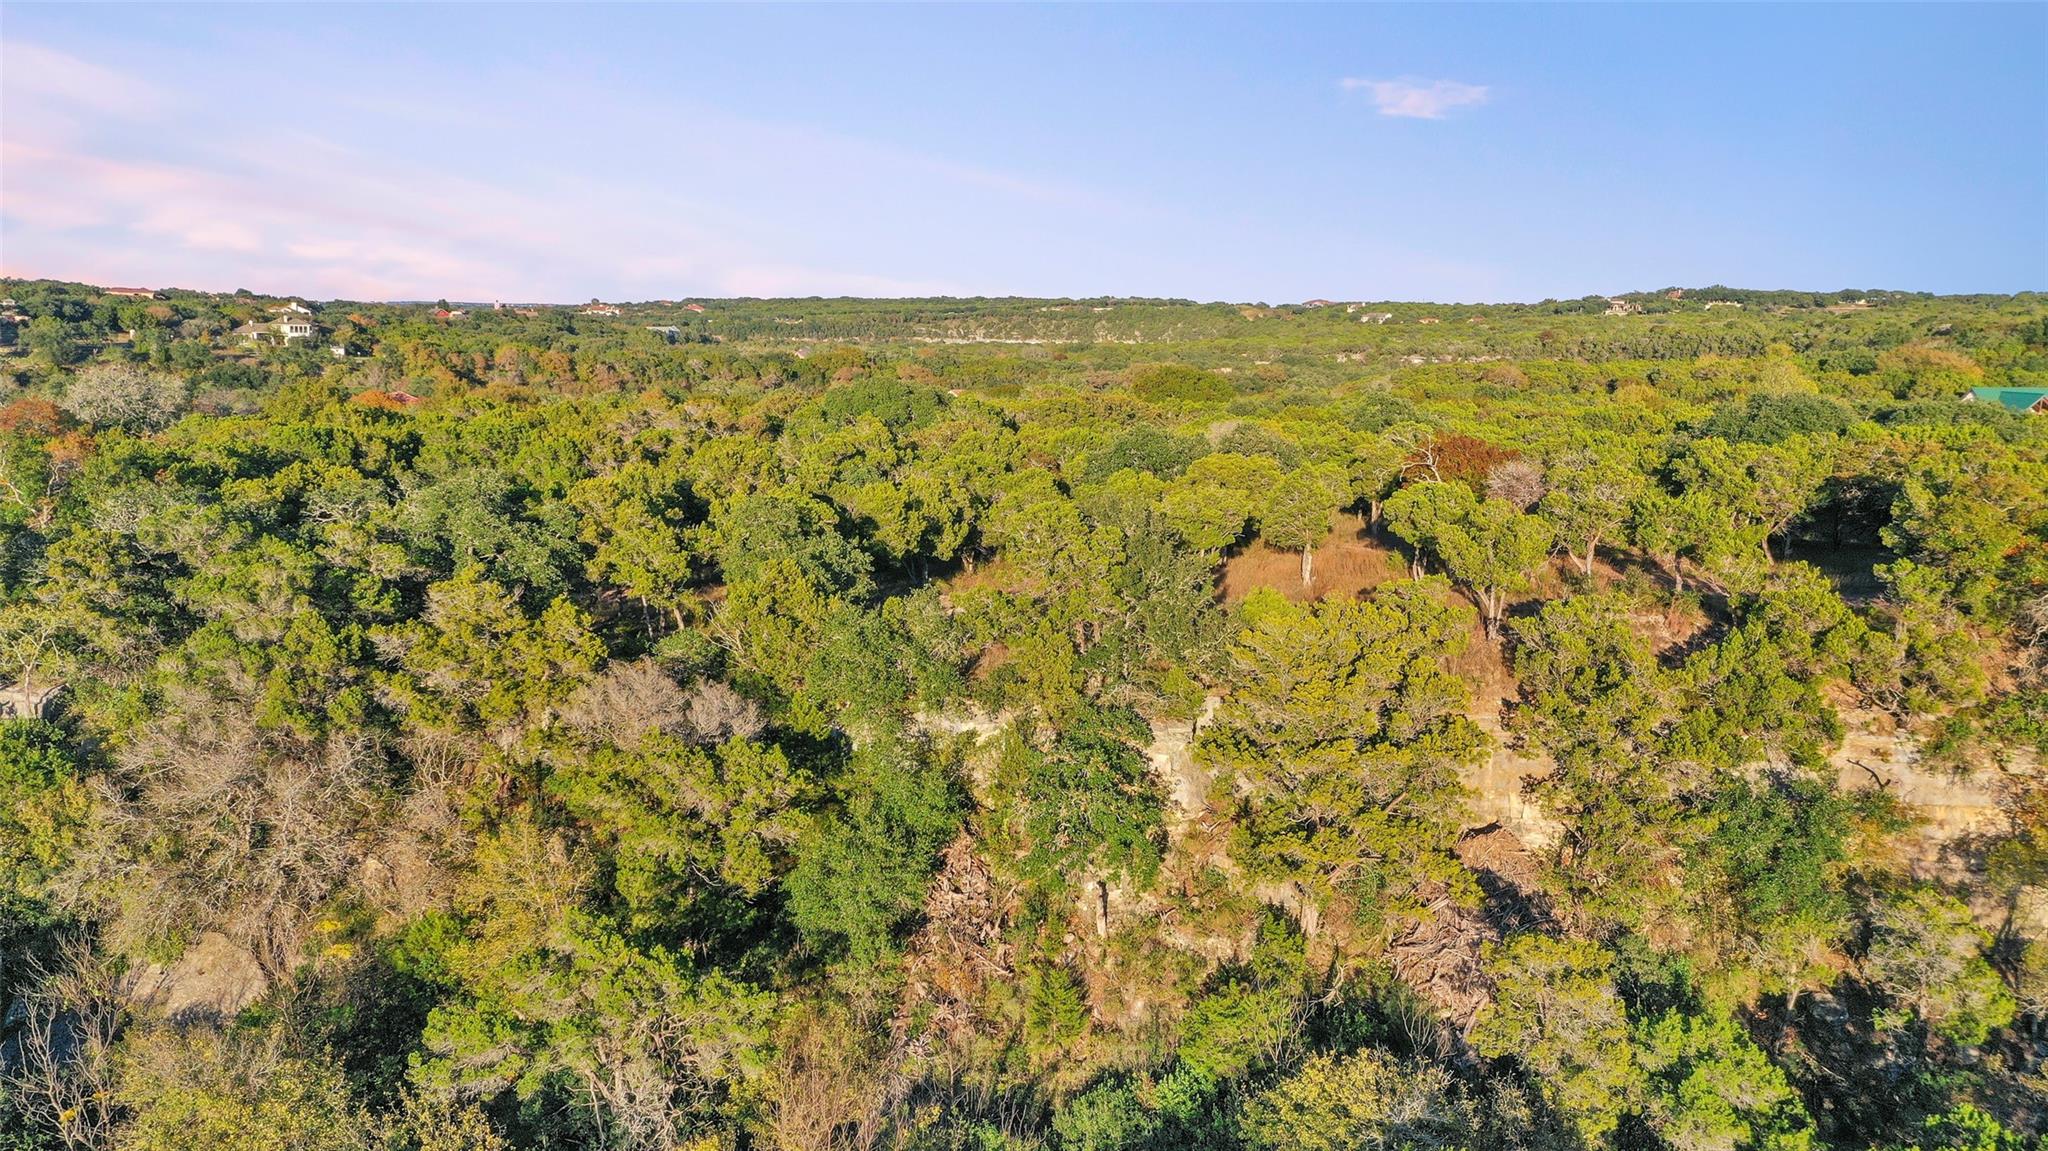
(11, 277)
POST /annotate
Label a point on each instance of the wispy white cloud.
(1417, 99)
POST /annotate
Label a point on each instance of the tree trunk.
(1102, 895)
(1308, 559)
(1591, 544)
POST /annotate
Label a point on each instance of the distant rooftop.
(2014, 399)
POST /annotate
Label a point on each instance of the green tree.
(1089, 805)
(1928, 955)
(1588, 500)
(195, 1091)
(1556, 1010)
(1343, 736)
(1299, 512)
(1713, 1089)
(475, 663)
(44, 807)
(861, 870)
(1107, 1117)
(52, 339)
(1492, 552)
(1420, 513)
(1671, 529)
(1361, 1101)
(551, 1003)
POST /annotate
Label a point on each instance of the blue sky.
(1469, 153)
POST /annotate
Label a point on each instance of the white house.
(1375, 317)
(292, 307)
(278, 331)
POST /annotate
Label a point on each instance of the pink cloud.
(1417, 99)
(291, 208)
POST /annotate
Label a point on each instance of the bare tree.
(718, 713)
(628, 702)
(1518, 481)
(63, 1072)
(125, 396)
(826, 1092)
(2033, 630)
(213, 821)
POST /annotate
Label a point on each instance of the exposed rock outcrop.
(213, 980)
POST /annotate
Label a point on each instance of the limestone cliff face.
(1957, 813)
(1497, 784)
(1954, 809)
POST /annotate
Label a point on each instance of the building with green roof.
(2013, 399)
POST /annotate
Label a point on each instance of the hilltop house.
(693, 308)
(278, 331)
(1616, 306)
(1317, 303)
(2033, 400)
(132, 293)
(667, 332)
(1712, 304)
(1375, 317)
(601, 310)
(291, 307)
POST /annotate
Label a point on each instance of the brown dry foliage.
(212, 821)
(1458, 457)
(32, 416)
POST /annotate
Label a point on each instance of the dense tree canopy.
(1022, 724)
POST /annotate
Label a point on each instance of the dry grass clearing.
(1347, 562)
